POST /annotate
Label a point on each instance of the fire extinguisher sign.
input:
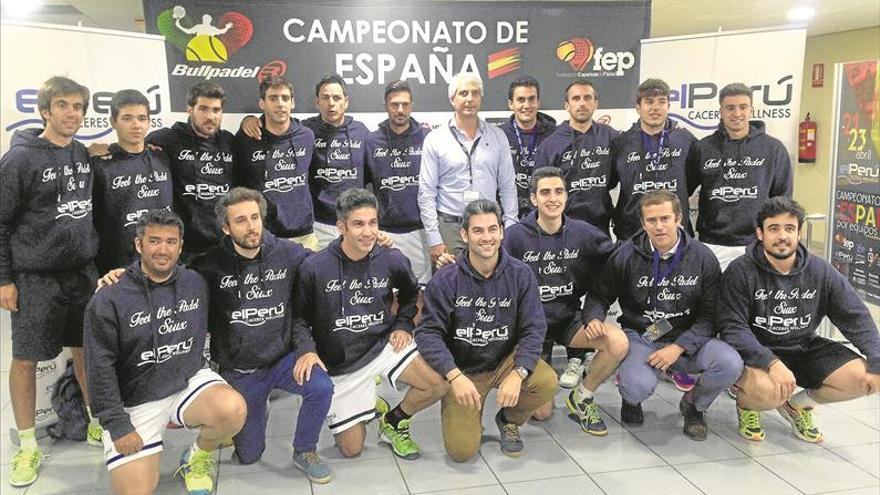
(854, 243)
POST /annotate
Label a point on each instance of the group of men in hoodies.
(738, 164)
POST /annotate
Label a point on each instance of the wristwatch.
(522, 372)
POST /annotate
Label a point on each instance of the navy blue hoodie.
(126, 186)
(565, 263)
(473, 322)
(343, 307)
(637, 175)
(337, 163)
(251, 301)
(278, 166)
(524, 156)
(585, 157)
(201, 172)
(737, 176)
(761, 311)
(143, 342)
(45, 206)
(393, 162)
(686, 297)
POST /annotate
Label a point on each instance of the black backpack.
(67, 400)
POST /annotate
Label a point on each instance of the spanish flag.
(503, 62)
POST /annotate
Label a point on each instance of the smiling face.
(244, 225)
(277, 104)
(779, 235)
(359, 230)
(524, 104)
(653, 111)
(661, 224)
(550, 198)
(160, 249)
(64, 115)
(735, 112)
(483, 236)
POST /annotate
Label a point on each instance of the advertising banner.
(104, 61)
(426, 43)
(854, 236)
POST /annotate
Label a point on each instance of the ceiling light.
(804, 13)
(20, 8)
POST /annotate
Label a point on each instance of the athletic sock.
(92, 419)
(802, 400)
(27, 439)
(582, 394)
(396, 415)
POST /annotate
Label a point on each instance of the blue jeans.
(719, 365)
(255, 388)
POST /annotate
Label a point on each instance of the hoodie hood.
(462, 260)
(642, 242)
(756, 128)
(523, 151)
(760, 260)
(544, 124)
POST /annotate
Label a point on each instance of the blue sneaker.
(316, 469)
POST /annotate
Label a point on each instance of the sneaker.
(198, 471)
(801, 422)
(95, 435)
(588, 416)
(750, 424)
(682, 381)
(511, 442)
(401, 442)
(695, 426)
(316, 470)
(382, 406)
(25, 466)
(631, 414)
(572, 374)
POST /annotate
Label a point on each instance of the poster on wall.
(854, 242)
(426, 43)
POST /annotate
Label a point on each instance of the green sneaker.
(587, 413)
(801, 422)
(198, 471)
(24, 468)
(750, 424)
(382, 406)
(95, 435)
(401, 443)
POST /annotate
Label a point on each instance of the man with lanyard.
(200, 155)
(276, 162)
(650, 155)
(525, 130)
(467, 161)
(392, 158)
(581, 148)
(666, 283)
(737, 168)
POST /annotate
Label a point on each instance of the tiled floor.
(653, 459)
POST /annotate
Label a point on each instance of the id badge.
(657, 329)
(470, 195)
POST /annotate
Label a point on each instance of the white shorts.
(325, 234)
(354, 394)
(151, 418)
(414, 245)
(726, 254)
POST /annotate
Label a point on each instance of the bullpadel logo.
(207, 42)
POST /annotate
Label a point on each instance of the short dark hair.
(581, 82)
(545, 173)
(735, 89)
(652, 87)
(523, 82)
(779, 205)
(480, 207)
(332, 78)
(60, 86)
(274, 81)
(159, 217)
(658, 197)
(397, 87)
(352, 199)
(127, 97)
(235, 196)
(205, 89)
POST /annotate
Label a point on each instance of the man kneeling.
(484, 328)
(144, 340)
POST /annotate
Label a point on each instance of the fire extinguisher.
(807, 141)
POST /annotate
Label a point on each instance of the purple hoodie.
(342, 307)
(523, 149)
(393, 162)
(473, 322)
(760, 310)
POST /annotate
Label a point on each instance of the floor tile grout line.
(399, 470)
(666, 461)
(570, 456)
(829, 449)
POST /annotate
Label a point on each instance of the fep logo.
(579, 52)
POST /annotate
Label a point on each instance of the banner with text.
(854, 237)
(104, 61)
(426, 43)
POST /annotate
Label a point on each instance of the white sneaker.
(572, 374)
